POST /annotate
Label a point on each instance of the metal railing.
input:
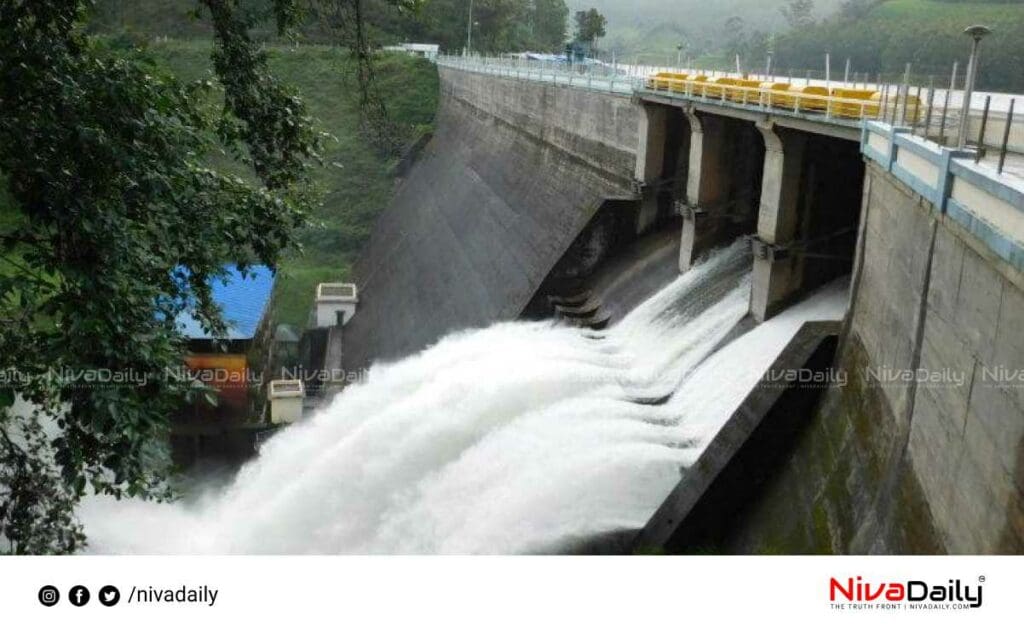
(592, 76)
(847, 105)
(929, 111)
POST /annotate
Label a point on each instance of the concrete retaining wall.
(514, 172)
(922, 449)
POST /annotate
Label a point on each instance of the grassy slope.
(356, 181)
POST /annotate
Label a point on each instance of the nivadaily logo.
(906, 594)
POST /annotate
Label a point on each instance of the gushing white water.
(521, 437)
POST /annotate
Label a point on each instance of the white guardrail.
(591, 76)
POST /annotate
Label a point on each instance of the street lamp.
(976, 32)
(679, 55)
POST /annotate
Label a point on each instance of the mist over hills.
(655, 27)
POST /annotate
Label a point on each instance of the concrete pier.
(777, 274)
(721, 184)
(650, 162)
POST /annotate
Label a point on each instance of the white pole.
(965, 108)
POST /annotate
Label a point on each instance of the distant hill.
(652, 29)
(925, 33)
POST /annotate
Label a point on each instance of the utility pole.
(976, 32)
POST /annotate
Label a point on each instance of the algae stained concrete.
(514, 172)
(926, 462)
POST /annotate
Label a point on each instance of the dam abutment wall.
(919, 447)
(515, 171)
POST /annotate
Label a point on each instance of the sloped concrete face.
(513, 174)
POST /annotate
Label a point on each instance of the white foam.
(515, 438)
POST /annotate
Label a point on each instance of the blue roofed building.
(243, 301)
(232, 365)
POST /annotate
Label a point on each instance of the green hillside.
(356, 181)
(925, 33)
(942, 10)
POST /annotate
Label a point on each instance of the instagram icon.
(49, 596)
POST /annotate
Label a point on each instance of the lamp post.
(976, 32)
(679, 55)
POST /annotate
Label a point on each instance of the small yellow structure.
(747, 91)
(848, 103)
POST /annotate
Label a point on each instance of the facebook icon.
(78, 596)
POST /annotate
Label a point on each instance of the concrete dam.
(603, 318)
(919, 449)
(509, 181)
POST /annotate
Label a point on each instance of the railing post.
(1006, 136)
(917, 110)
(981, 132)
(895, 106)
(931, 105)
(945, 106)
(906, 95)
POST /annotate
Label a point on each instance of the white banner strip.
(132, 593)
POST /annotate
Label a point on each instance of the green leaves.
(100, 157)
(263, 115)
(590, 25)
(36, 510)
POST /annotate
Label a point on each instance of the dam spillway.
(517, 438)
(525, 179)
